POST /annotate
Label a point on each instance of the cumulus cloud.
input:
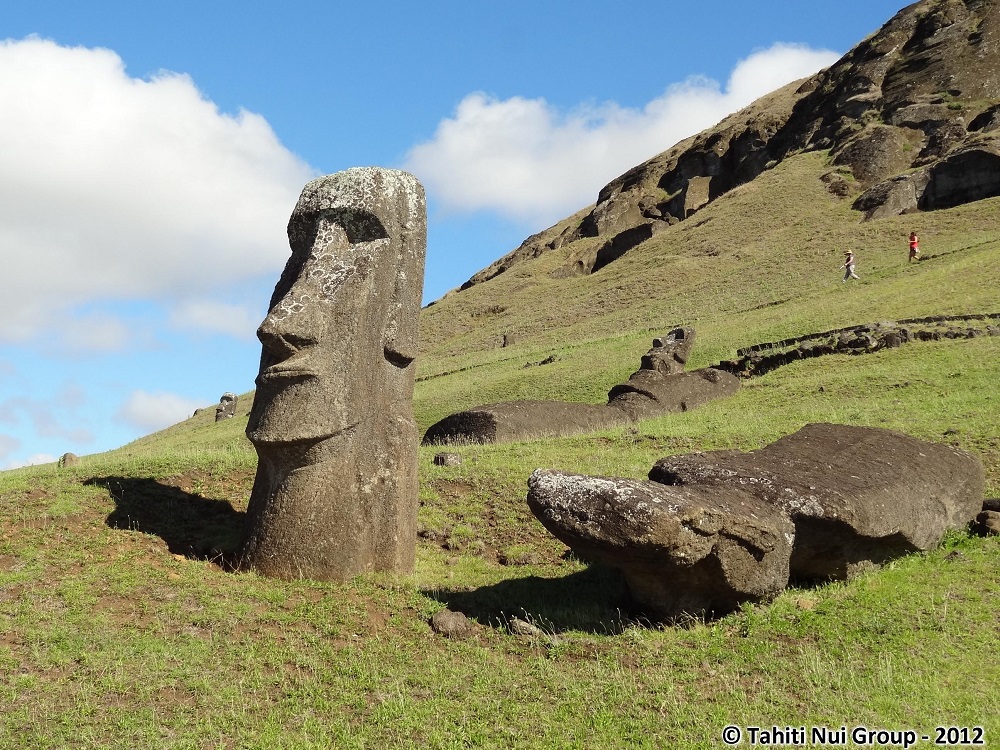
(239, 321)
(117, 188)
(89, 334)
(529, 161)
(46, 417)
(32, 460)
(8, 444)
(154, 411)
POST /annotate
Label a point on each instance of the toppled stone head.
(332, 419)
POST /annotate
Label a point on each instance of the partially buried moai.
(332, 421)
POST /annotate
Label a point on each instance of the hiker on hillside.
(849, 266)
(914, 247)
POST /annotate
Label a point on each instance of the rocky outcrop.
(867, 338)
(660, 386)
(710, 531)
(909, 117)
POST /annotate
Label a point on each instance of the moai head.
(227, 407)
(342, 325)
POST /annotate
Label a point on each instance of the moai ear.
(400, 339)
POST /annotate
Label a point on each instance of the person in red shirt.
(914, 246)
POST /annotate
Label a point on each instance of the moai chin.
(332, 420)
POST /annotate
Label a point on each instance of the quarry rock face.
(660, 386)
(332, 421)
(708, 531)
(909, 116)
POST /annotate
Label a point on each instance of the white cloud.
(8, 445)
(42, 415)
(525, 159)
(89, 334)
(154, 411)
(33, 460)
(120, 188)
(218, 317)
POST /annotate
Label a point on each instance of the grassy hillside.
(760, 265)
(119, 627)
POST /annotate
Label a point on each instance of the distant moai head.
(341, 328)
(227, 407)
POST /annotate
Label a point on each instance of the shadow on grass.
(191, 525)
(595, 600)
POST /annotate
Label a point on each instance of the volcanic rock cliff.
(910, 118)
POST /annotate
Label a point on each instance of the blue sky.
(153, 152)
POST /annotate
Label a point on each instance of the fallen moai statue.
(660, 386)
(710, 531)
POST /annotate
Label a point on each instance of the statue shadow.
(593, 600)
(193, 526)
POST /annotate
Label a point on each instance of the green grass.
(121, 627)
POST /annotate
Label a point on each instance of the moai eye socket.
(360, 226)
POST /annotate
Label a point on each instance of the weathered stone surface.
(227, 407)
(670, 352)
(649, 393)
(857, 495)
(875, 154)
(709, 531)
(897, 195)
(987, 522)
(623, 242)
(332, 420)
(519, 420)
(682, 550)
(968, 174)
(451, 624)
(517, 626)
(67, 460)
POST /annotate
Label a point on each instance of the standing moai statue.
(227, 407)
(336, 488)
